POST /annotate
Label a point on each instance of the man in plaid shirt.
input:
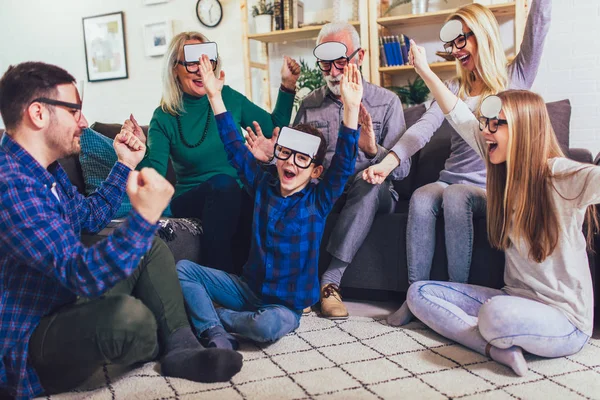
(59, 321)
(280, 277)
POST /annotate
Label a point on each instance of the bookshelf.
(252, 66)
(379, 26)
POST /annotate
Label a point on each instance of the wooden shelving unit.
(438, 17)
(290, 35)
(379, 26)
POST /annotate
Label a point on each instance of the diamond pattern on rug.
(360, 358)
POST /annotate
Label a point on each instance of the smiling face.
(467, 56)
(191, 83)
(65, 124)
(334, 76)
(497, 142)
(293, 178)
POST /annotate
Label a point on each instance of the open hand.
(261, 148)
(367, 141)
(149, 192)
(417, 57)
(212, 84)
(351, 86)
(290, 72)
(130, 143)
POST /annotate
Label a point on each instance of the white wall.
(51, 31)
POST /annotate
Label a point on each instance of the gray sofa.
(379, 269)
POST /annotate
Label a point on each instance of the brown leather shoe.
(331, 302)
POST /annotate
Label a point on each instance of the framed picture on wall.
(157, 36)
(104, 40)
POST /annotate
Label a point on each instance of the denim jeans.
(241, 311)
(226, 213)
(475, 316)
(460, 203)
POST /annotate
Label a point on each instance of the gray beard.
(335, 89)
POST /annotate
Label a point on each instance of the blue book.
(397, 51)
(389, 52)
(404, 49)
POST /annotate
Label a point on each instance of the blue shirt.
(43, 264)
(282, 267)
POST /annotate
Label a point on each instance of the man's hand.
(149, 193)
(367, 141)
(290, 72)
(212, 84)
(130, 143)
(261, 148)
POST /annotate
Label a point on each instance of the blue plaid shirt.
(43, 264)
(286, 234)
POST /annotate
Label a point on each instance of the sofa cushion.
(111, 130)
(560, 118)
(405, 186)
(432, 157)
(97, 158)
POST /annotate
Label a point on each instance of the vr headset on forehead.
(298, 141)
(330, 51)
(451, 30)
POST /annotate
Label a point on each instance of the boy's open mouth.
(289, 174)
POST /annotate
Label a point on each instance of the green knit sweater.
(196, 165)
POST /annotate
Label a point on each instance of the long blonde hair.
(518, 191)
(172, 95)
(491, 60)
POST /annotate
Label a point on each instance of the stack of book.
(288, 14)
(394, 50)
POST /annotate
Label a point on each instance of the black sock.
(185, 358)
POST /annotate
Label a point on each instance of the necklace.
(185, 142)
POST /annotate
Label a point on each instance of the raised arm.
(344, 159)
(238, 155)
(524, 68)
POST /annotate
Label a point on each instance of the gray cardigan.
(464, 165)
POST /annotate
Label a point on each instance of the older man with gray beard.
(382, 121)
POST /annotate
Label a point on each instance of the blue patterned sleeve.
(34, 233)
(341, 168)
(238, 154)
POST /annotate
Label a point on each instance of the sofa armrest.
(581, 155)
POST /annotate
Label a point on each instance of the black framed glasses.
(193, 66)
(74, 108)
(460, 42)
(491, 123)
(339, 64)
(300, 159)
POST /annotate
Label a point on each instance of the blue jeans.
(460, 203)
(241, 311)
(475, 316)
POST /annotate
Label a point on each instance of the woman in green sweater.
(183, 129)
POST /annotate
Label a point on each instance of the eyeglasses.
(460, 42)
(491, 123)
(74, 108)
(300, 159)
(339, 64)
(193, 66)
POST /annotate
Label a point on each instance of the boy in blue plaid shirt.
(280, 278)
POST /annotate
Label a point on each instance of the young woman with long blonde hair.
(483, 69)
(537, 204)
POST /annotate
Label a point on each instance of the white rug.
(362, 358)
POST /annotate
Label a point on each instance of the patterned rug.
(362, 358)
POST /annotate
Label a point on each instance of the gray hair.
(172, 95)
(337, 27)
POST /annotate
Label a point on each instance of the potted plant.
(263, 16)
(309, 80)
(416, 92)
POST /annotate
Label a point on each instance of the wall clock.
(209, 12)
